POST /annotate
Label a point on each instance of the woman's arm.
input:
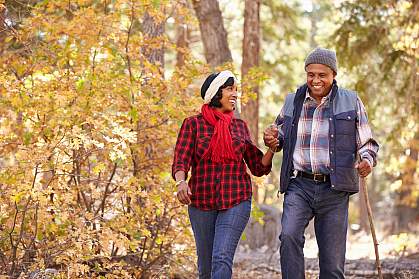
(259, 164)
(183, 190)
(184, 149)
(267, 157)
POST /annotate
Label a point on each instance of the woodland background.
(93, 92)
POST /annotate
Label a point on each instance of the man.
(327, 142)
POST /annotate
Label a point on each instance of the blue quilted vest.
(342, 137)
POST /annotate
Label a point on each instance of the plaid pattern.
(217, 185)
(311, 152)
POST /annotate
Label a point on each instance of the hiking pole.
(374, 237)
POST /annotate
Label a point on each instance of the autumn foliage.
(87, 130)
(91, 102)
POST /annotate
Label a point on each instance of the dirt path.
(399, 254)
(257, 265)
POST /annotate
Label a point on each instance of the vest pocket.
(346, 123)
(346, 175)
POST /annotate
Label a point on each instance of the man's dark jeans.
(305, 199)
(217, 234)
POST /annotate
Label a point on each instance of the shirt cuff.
(176, 168)
(366, 156)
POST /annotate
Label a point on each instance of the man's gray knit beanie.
(322, 56)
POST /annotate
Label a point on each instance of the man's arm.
(367, 145)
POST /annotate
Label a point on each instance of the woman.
(216, 145)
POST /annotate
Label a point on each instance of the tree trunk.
(313, 28)
(3, 26)
(182, 37)
(251, 47)
(406, 209)
(213, 33)
(152, 30)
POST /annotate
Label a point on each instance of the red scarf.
(220, 149)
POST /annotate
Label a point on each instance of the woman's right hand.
(183, 193)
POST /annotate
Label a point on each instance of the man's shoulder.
(345, 100)
(347, 92)
(289, 104)
(290, 96)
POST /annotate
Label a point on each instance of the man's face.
(319, 80)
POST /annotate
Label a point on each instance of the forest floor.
(399, 259)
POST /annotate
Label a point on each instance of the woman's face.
(229, 98)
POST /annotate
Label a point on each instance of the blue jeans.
(304, 200)
(217, 234)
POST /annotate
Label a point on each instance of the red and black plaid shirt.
(217, 185)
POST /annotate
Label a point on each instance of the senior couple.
(323, 132)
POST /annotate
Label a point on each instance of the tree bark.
(153, 30)
(314, 18)
(213, 33)
(3, 26)
(251, 48)
(182, 37)
(406, 209)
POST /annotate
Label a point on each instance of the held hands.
(270, 137)
(364, 168)
(183, 193)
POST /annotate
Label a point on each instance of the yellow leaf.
(99, 168)
(146, 232)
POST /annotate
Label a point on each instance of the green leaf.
(80, 84)
(133, 113)
(156, 3)
(27, 136)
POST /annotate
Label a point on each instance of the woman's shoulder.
(194, 117)
(193, 120)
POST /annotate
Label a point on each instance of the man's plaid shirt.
(311, 152)
(217, 185)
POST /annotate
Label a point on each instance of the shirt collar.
(324, 99)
